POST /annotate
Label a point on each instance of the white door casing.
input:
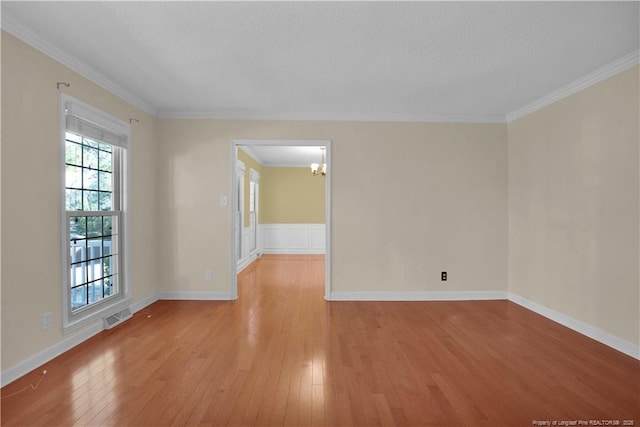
(237, 220)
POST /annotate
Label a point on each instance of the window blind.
(101, 128)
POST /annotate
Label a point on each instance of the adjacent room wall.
(291, 195)
(573, 206)
(31, 197)
(409, 200)
(293, 211)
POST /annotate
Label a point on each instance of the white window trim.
(123, 300)
(239, 249)
(254, 177)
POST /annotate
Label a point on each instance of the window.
(94, 147)
(93, 238)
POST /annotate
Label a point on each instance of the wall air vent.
(117, 318)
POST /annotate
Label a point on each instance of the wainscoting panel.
(292, 238)
(318, 237)
(275, 238)
(247, 254)
(246, 239)
(298, 238)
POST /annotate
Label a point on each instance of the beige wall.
(31, 235)
(249, 163)
(573, 206)
(409, 200)
(291, 195)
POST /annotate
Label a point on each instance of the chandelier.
(321, 168)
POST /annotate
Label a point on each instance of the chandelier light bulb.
(320, 168)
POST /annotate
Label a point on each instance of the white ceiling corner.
(25, 34)
(577, 85)
(485, 62)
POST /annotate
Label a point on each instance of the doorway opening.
(250, 238)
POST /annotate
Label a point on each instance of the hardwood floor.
(281, 355)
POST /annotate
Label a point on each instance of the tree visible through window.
(92, 204)
(94, 160)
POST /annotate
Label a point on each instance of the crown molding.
(12, 26)
(584, 82)
(354, 117)
(15, 28)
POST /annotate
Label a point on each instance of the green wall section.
(249, 163)
(291, 195)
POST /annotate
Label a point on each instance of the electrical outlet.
(46, 320)
(208, 275)
(443, 276)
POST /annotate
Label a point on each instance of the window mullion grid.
(94, 256)
(89, 259)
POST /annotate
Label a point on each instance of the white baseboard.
(590, 331)
(292, 251)
(48, 354)
(66, 344)
(416, 296)
(39, 359)
(244, 263)
(193, 295)
(144, 302)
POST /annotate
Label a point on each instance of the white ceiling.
(452, 61)
(280, 155)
